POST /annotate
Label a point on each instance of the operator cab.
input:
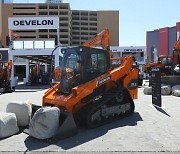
(166, 62)
(82, 64)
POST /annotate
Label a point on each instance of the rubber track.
(85, 113)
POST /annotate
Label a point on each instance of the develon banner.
(33, 23)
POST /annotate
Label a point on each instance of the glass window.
(28, 44)
(18, 44)
(163, 61)
(98, 61)
(38, 44)
(73, 62)
(49, 44)
(102, 63)
(0, 66)
(169, 60)
(94, 60)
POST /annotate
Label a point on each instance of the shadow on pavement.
(161, 110)
(34, 144)
(32, 88)
(84, 135)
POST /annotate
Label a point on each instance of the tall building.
(86, 24)
(163, 39)
(76, 26)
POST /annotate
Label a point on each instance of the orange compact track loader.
(167, 63)
(95, 88)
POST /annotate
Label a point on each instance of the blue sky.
(136, 16)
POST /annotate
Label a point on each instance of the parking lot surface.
(149, 129)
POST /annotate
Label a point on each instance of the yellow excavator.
(94, 88)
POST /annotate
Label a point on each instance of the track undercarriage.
(113, 105)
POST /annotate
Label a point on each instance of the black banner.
(3, 55)
(156, 86)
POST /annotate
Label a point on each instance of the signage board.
(129, 49)
(156, 86)
(3, 55)
(133, 50)
(21, 23)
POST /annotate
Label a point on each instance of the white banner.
(33, 23)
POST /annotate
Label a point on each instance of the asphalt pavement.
(149, 130)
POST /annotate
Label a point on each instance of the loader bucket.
(67, 125)
(34, 108)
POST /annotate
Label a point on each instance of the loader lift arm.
(103, 38)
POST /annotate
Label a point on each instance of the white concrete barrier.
(165, 89)
(177, 87)
(147, 90)
(44, 123)
(22, 110)
(176, 90)
(176, 93)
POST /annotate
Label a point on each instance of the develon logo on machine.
(103, 80)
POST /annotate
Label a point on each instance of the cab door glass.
(73, 62)
(169, 60)
(1, 67)
(163, 61)
(98, 62)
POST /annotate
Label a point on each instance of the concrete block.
(44, 123)
(8, 124)
(22, 110)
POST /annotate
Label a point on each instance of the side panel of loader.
(131, 83)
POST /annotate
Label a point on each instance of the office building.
(76, 26)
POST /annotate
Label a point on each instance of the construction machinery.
(94, 88)
(167, 63)
(37, 76)
(164, 62)
(34, 75)
(5, 74)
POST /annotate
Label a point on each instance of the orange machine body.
(6, 66)
(74, 101)
(122, 72)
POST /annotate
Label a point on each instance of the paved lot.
(149, 129)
